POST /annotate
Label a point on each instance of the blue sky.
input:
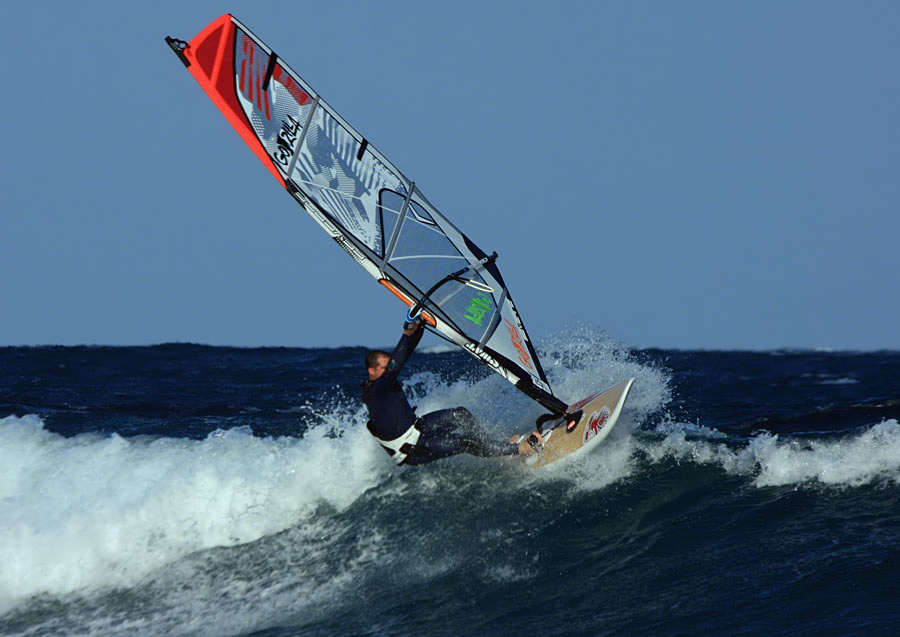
(691, 174)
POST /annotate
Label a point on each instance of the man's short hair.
(373, 356)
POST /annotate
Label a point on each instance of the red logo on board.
(595, 423)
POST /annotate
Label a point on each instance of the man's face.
(381, 364)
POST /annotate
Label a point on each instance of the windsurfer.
(411, 439)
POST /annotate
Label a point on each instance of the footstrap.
(572, 420)
(539, 423)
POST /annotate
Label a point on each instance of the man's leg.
(447, 432)
(442, 421)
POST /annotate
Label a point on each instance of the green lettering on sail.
(478, 307)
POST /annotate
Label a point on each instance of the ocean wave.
(103, 511)
(865, 456)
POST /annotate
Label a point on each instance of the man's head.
(376, 362)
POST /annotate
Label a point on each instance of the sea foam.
(866, 456)
(103, 511)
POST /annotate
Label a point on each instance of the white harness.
(398, 448)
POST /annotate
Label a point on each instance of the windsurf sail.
(377, 215)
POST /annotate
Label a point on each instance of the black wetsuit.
(445, 432)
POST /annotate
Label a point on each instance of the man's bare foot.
(531, 444)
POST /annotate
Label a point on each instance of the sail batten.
(377, 215)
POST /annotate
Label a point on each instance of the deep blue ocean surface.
(185, 489)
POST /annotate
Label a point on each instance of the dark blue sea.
(193, 490)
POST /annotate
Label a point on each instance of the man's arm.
(412, 334)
